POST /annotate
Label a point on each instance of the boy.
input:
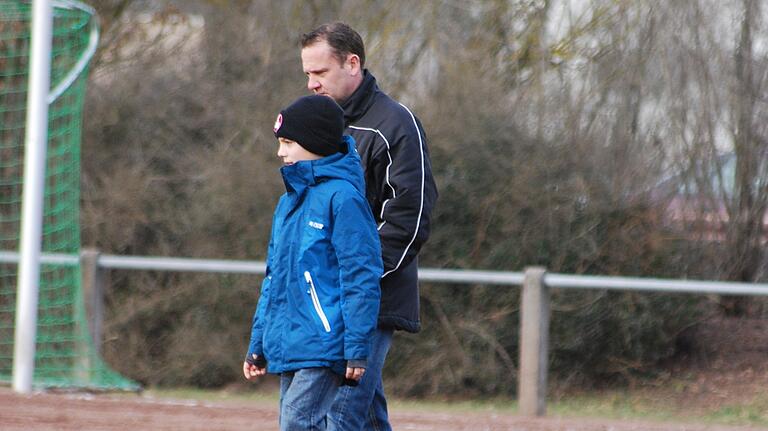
(320, 297)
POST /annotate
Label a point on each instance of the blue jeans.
(364, 407)
(305, 397)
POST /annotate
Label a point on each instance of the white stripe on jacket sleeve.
(421, 196)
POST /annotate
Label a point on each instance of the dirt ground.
(727, 363)
(83, 412)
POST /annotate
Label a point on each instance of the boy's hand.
(354, 374)
(254, 367)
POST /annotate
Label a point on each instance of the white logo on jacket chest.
(316, 225)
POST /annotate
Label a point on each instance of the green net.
(65, 353)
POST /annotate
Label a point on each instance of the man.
(400, 190)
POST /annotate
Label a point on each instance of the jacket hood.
(342, 166)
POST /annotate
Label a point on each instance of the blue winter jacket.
(320, 298)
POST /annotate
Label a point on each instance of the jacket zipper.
(316, 302)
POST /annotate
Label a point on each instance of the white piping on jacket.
(421, 197)
(316, 302)
(386, 175)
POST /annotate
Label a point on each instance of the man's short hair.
(342, 39)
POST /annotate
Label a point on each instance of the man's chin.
(324, 94)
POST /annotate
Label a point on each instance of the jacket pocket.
(316, 302)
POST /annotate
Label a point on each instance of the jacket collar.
(298, 176)
(346, 166)
(357, 103)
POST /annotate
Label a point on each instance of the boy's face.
(291, 152)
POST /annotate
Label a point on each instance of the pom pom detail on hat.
(314, 122)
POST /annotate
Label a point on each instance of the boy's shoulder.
(338, 192)
(333, 183)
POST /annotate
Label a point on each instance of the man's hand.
(354, 373)
(254, 367)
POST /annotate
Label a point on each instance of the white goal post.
(35, 142)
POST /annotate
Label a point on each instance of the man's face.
(291, 152)
(326, 75)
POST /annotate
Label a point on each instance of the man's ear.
(353, 64)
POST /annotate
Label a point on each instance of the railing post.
(93, 293)
(534, 343)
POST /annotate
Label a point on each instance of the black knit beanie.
(314, 122)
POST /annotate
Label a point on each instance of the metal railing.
(554, 280)
(534, 309)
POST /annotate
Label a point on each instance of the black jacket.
(401, 192)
